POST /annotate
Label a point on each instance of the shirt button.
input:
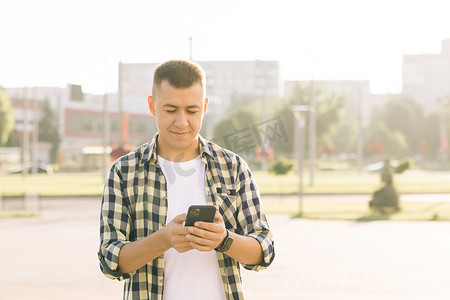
(228, 192)
(163, 225)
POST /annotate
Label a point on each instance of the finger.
(218, 217)
(205, 230)
(203, 237)
(199, 233)
(184, 248)
(198, 241)
(201, 247)
(180, 229)
(204, 225)
(181, 243)
(211, 227)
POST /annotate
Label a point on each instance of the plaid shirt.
(134, 205)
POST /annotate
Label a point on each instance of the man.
(148, 191)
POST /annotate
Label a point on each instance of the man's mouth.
(179, 133)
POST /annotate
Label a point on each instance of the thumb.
(218, 217)
(180, 218)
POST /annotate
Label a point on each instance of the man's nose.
(181, 119)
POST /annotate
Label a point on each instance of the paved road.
(54, 257)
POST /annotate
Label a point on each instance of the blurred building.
(81, 121)
(225, 79)
(228, 84)
(82, 116)
(360, 102)
(231, 80)
(426, 77)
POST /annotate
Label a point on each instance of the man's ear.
(205, 106)
(151, 105)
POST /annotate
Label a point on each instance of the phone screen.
(203, 213)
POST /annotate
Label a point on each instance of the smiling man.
(148, 192)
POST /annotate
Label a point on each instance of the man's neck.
(180, 155)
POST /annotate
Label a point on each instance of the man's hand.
(175, 234)
(136, 254)
(205, 236)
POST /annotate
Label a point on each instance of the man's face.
(179, 114)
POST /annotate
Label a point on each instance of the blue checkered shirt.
(134, 205)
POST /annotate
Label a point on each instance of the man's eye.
(170, 111)
(192, 112)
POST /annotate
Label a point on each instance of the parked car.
(41, 168)
(375, 167)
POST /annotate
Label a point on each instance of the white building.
(426, 77)
(225, 79)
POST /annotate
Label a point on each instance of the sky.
(53, 43)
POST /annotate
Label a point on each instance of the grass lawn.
(17, 214)
(359, 211)
(57, 184)
(326, 182)
(351, 182)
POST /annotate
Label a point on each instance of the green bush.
(386, 200)
(281, 166)
(403, 166)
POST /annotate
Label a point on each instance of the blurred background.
(341, 108)
(372, 77)
(317, 96)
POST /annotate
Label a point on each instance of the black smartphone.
(203, 213)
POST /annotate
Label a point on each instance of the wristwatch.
(226, 244)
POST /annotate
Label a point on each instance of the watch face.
(227, 243)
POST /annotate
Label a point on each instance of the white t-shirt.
(193, 274)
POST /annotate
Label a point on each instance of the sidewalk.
(54, 257)
(349, 260)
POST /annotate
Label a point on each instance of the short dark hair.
(179, 73)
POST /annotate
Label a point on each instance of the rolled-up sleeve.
(251, 218)
(115, 225)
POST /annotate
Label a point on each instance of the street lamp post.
(444, 101)
(312, 133)
(300, 147)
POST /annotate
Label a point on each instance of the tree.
(13, 140)
(329, 109)
(49, 129)
(375, 147)
(344, 135)
(430, 133)
(284, 112)
(401, 117)
(6, 118)
(383, 140)
(235, 131)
